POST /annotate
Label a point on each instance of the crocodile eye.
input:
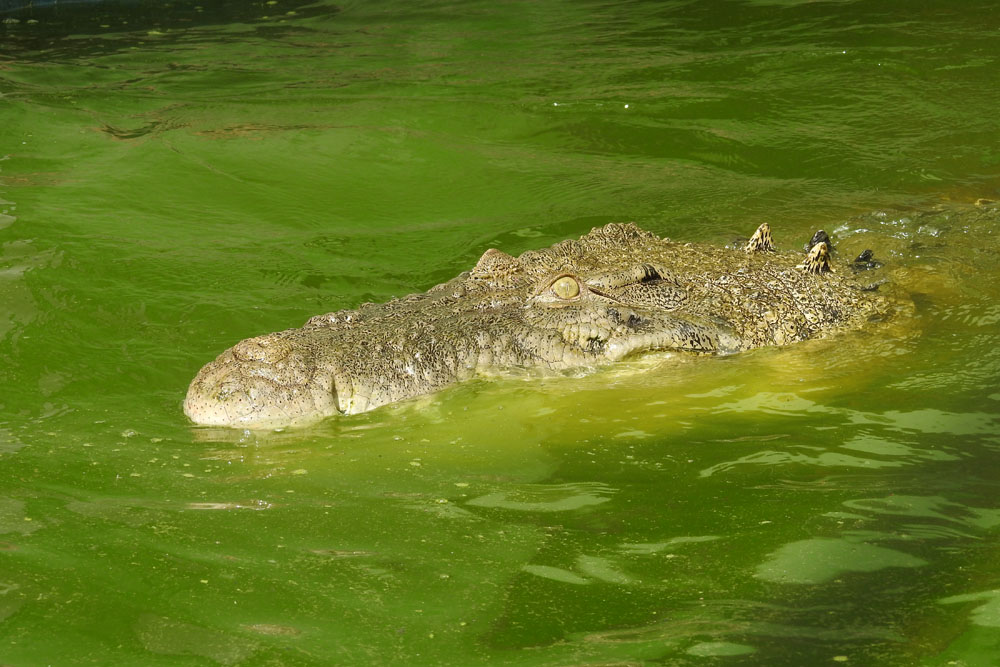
(566, 288)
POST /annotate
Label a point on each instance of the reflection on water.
(166, 636)
(820, 560)
(985, 614)
(547, 498)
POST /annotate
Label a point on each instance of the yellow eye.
(566, 288)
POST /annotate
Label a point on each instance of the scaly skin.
(616, 292)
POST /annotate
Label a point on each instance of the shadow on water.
(85, 30)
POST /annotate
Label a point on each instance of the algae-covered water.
(177, 178)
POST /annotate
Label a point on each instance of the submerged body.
(615, 292)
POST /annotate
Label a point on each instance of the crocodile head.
(616, 292)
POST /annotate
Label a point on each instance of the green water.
(175, 180)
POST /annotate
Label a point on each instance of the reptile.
(616, 292)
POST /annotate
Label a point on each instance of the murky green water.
(176, 180)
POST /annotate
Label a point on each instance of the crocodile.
(616, 292)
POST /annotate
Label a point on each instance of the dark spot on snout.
(633, 321)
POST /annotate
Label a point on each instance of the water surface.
(177, 179)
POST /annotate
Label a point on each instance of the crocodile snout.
(261, 382)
